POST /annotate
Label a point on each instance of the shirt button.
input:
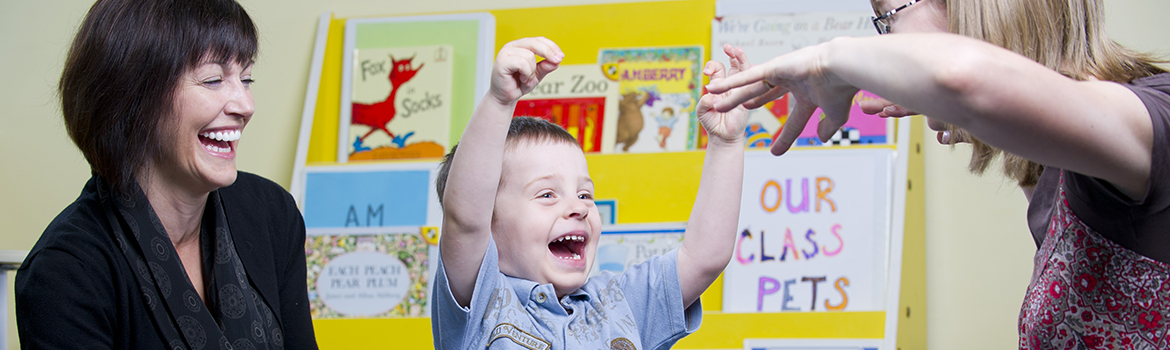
(540, 297)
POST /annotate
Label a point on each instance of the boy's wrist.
(716, 142)
(496, 104)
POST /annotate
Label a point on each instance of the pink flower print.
(1055, 290)
(1086, 282)
(1093, 253)
(1093, 341)
(1150, 320)
(1046, 318)
(1112, 304)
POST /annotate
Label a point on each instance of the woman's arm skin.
(1100, 129)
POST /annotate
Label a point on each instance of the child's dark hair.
(521, 129)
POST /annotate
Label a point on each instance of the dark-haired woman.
(168, 246)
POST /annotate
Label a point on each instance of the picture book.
(577, 98)
(658, 89)
(375, 275)
(401, 102)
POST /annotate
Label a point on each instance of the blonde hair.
(1067, 36)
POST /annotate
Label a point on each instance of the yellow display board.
(657, 187)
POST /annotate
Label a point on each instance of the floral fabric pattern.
(1088, 292)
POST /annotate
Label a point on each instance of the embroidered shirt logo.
(622, 344)
(507, 330)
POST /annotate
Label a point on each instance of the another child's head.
(544, 223)
(668, 112)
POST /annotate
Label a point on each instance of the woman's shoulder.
(1154, 91)
(80, 233)
(83, 221)
(1159, 81)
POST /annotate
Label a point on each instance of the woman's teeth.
(230, 135)
(218, 149)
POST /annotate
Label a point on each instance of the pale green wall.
(978, 249)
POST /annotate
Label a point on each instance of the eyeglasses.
(883, 27)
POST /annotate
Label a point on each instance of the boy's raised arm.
(710, 236)
(470, 192)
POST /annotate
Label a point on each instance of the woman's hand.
(805, 75)
(886, 109)
(516, 71)
(727, 127)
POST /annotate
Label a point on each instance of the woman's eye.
(213, 82)
(248, 81)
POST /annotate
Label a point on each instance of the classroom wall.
(978, 249)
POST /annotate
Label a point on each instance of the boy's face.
(545, 223)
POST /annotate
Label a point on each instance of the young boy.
(520, 230)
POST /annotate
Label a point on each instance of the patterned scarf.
(235, 318)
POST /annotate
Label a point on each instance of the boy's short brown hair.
(521, 129)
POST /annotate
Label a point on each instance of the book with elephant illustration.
(658, 89)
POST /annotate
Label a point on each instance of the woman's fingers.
(792, 128)
(884, 108)
(874, 106)
(769, 96)
(832, 122)
(737, 96)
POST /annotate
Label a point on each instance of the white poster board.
(759, 23)
(814, 232)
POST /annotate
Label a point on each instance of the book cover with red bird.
(401, 102)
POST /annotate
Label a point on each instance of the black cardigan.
(75, 290)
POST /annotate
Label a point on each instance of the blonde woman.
(1082, 124)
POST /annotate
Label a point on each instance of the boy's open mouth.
(568, 247)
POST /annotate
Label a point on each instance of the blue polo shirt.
(638, 309)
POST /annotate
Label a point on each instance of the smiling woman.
(168, 245)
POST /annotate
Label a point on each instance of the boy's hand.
(516, 71)
(727, 127)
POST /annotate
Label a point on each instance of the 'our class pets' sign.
(814, 231)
